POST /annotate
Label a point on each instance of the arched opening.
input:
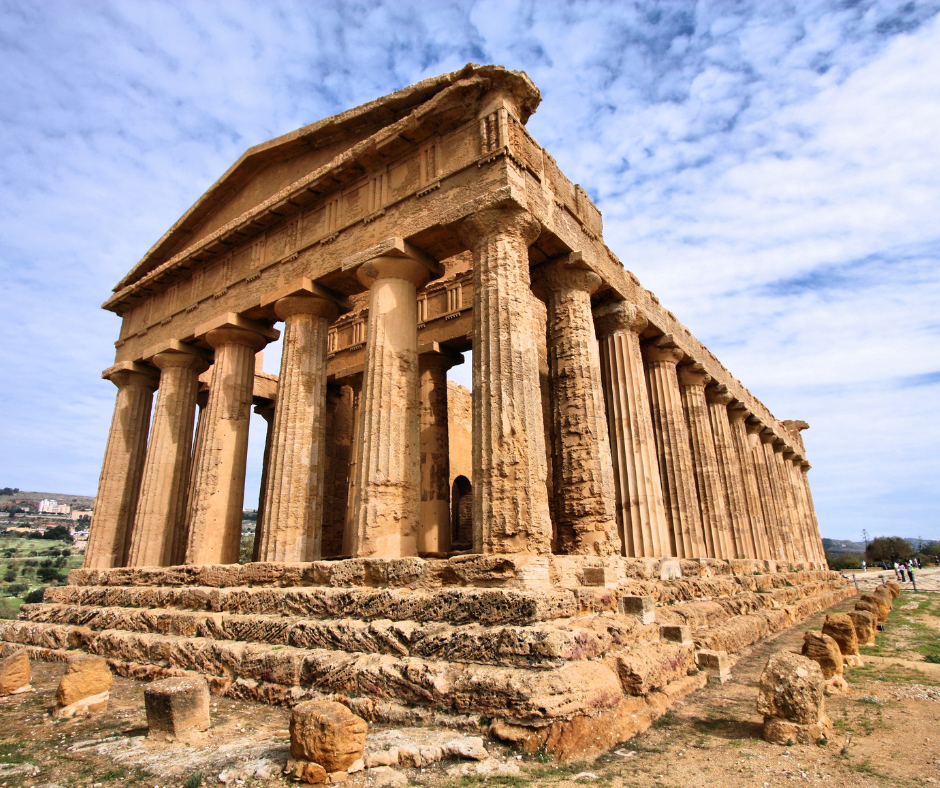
(461, 502)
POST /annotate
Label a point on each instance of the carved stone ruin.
(407, 572)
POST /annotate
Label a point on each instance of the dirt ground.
(887, 733)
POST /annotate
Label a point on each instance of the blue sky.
(769, 169)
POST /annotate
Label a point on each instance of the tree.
(10, 575)
(49, 574)
(888, 548)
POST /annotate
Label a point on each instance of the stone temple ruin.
(631, 509)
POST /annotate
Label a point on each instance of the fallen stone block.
(177, 708)
(14, 674)
(84, 688)
(882, 605)
(866, 625)
(469, 747)
(792, 700)
(894, 588)
(825, 651)
(778, 731)
(305, 771)
(677, 633)
(715, 664)
(386, 777)
(328, 734)
(841, 628)
(643, 607)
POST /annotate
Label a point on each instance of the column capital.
(432, 354)
(508, 220)
(737, 411)
(664, 348)
(304, 296)
(805, 466)
(171, 359)
(233, 329)
(619, 316)
(567, 272)
(129, 373)
(693, 374)
(719, 394)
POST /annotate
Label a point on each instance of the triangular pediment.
(269, 169)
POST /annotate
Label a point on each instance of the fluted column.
(349, 528)
(293, 513)
(716, 523)
(159, 532)
(583, 482)
(743, 451)
(339, 420)
(671, 433)
(767, 500)
(729, 469)
(266, 412)
(434, 531)
(389, 472)
(783, 530)
(804, 468)
(641, 518)
(119, 484)
(794, 484)
(218, 490)
(789, 504)
(510, 500)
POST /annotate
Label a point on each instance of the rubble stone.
(865, 623)
(823, 649)
(327, 733)
(84, 687)
(177, 708)
(14, 673)
(841, 628)
(791, 688)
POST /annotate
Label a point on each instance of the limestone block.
(823, 649)
(791, 688)
(419, 756)
(177, 708)
(882, 602)
(835, 685)
(469, 747)
(598, 576)
(871, 608)
(386, 777)
(643, 607)
(84, 687)
(715, 663)
(381, 758)
(646, 668)
(787, 733)
(14, 673)
(326, 733)
(865, 625)
(306, 771)
(676, 633)
(894, 588)
(841, 628)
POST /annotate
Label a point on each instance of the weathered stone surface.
(841, 628)
(715, 664)
(865, 624)
(824, 650)
(84, 687)
(14, 673)
(327, 733)
(791, 688)
(177, 708)
(787, 733)
(470, 747)
(894, 588)
(646, 668)
(306, 771)
(881, 601)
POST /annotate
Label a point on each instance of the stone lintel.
(233, 320)
(393, 247)
(437, 349)
(304, 286)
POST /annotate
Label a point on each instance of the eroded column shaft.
(783, 530)
(675, 453)
(583, 483)
(350, 519)
(510, 500)
(388, 471)
(266, 412)
(804, 468)
(119, 484)
(640, 514)
(339, 424)
(159, 534)
(434, 531)
(215, 510)
(751, 488)
(293, 514)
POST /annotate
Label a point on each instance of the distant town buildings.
(52, 506)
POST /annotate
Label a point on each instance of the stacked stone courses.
(612, 454)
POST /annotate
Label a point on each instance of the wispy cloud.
(770, 170)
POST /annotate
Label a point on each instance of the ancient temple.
(613, 457)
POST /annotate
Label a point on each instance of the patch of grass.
(114, 774)
(194, 780)
(11, 752)
(895, 674)
(514, 780)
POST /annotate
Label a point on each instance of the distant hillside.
(35, 497)
(840, 546)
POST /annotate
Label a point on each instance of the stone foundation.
(470, 640)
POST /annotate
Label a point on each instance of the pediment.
(271, 168)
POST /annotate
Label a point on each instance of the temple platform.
(571, 654)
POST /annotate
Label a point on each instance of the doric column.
(339, 419)
(737, 413)
(349, 528)
(218, 490)
(785, 490)
(119, 485)
(293, 514)
(159, 534)
(711, 495)
(729, 469)
(821, 551)
(767, 500)
(266, 412)
(783, 530)
(583, 482)
(389, 471)
(510, 500)
(434, 519)
(801, 516)
(641, 517)
(674, 449)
